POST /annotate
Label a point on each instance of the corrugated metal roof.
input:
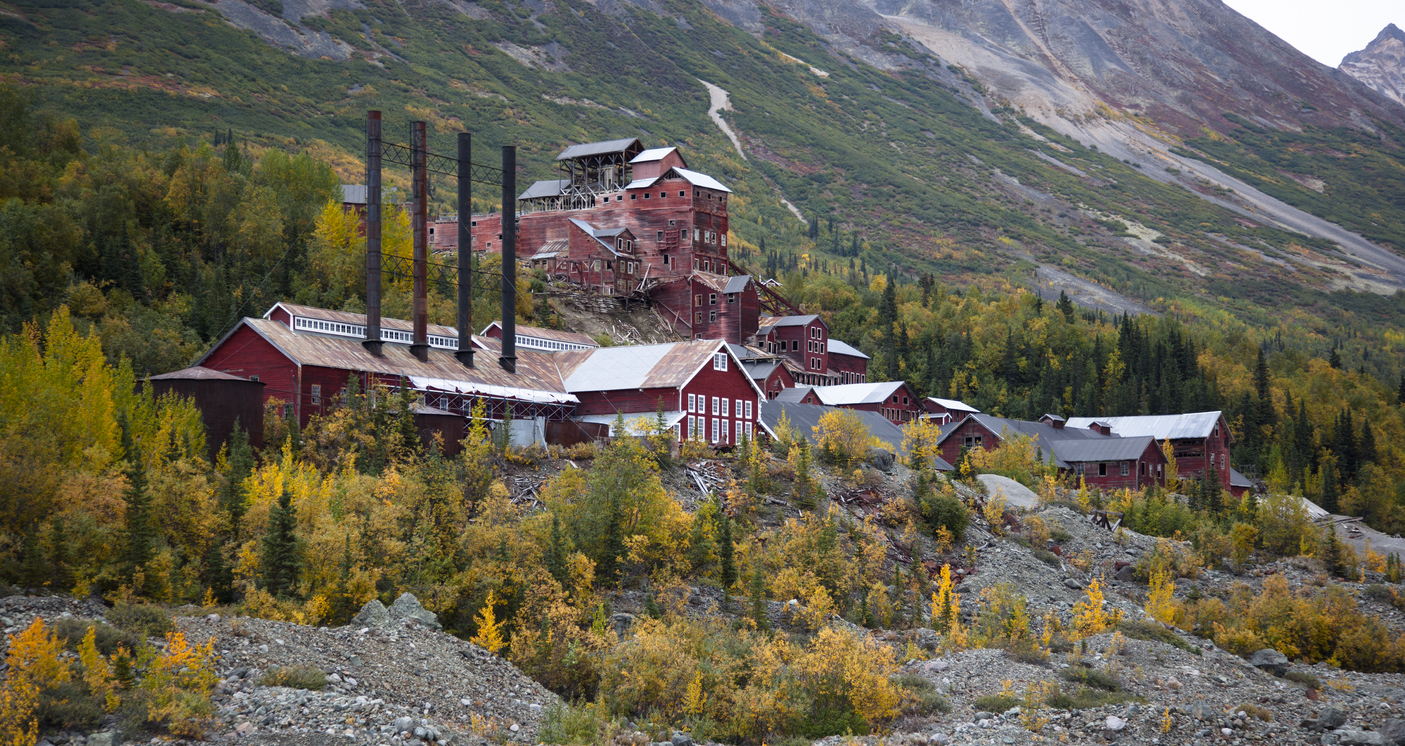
(837, 347)
(1159, 426)
(1046, 437)
(761, 371)
(197, 373)
(597, 148)
(794, 394)
(354, 194)
(1238, 480)
(545, 188)
(536, 378)
(653, 154)
(737, 283)
(953, 405)
(788, 320)
(1106, 448)
(637, 366)
(700, 180)
(805, 417)
(641, 183)
(857, 393)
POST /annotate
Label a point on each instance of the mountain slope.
(918, 163)
(1381, 65)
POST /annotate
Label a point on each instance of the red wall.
(1216, 446)
(780, 378)
(951, 447)
(898, 412)
(246, 354)
(1114, 480)
(856, 366)
(732, 383)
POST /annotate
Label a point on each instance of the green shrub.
(69, 706)
(1092, 677)
(301, 676)
(923, 700)
(576, 725)
(945, 510)
(143, 620)
(108, 638)
(996, 703)
(1085, 698)
(1304, 678)
(1142, 629)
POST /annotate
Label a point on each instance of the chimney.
(372, 343)
(465, 319)
(419, 227)
(1053, 420)
(508, 359)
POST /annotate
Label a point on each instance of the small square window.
(712, 315)
(682, 193)
(660, 235)
(254, 378)
(712, 299)
(794, 345)
(1124, 468)
(634, 196)
(663, 195)
(731, 298)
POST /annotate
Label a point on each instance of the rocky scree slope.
(1381, 65)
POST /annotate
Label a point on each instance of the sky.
(1326, 30)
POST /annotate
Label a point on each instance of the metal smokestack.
(508, 359)
(372, 342)
(419, 226)
(465, 351)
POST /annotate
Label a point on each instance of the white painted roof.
(842, 348)
(855, 393)
(636, 422)
(700, 179)
(641, 183)
(1159, 426)
(483, 389)
(952, 405)
(652, 154)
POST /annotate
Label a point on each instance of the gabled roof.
(857, 393)
(1239, 480)
(700, 179)
(656, 154)
(597, 148)
(347, 317)
(1159, 426)
(602, 237)
(545, 188)
(951, 405)
(197, 373)
(536, 379)
(1046, 436)
(660, 366)
(794, 394)
(788, 320)
(837, 347)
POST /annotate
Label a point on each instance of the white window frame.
(726, 407)
(749, 436)
(716, 406)
(719, 361)
(748, 409)
(716, 429)
(692, 402)
(1124, 468)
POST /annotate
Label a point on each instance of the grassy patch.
(71, 631)
(143, 620)
(1304, 678)
(1254, 711)
(295, 677)
(1142, 629)
(1086, 698)
(1092, 677)
(922, 697)
(578, 725)
(996, 703)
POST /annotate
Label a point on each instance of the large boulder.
(1393, 731)
(881, 458)
(1270, 660)
(373, 614)
(1353, 737)
(408, 607)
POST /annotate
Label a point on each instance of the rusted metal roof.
(556, 335)
(536, 378)
(668, 365)
(197, 373)
(598, 148)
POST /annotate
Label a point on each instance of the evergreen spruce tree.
(726, 551)
(1335, 359)
(609, 563)
(758, 598)
(556, 553)
(221, 576)
(699, 543)
(1400, 395)
(1330, 489)
(1366, 451)
(281, 556)
(1065, 306)
(137, 547)
(60, 555)
(241, 465)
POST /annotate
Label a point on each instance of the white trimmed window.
(719, 361)
(716, 429)
(1124, 468)
(748, 409)
(692, 403)
(726, 407)
(738, 439)
(716, 405)
(738, 410)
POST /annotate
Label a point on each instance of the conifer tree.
(1330, 489)
(281, 556)
(1400, 395)
(614, 542)
(241, 465)
(1366, 451)
(1065, 306)
(727, 554)
(60, 555)
(758, 598)
(556, 553)
(137, 547)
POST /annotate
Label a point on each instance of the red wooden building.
(943, 411)
(678, 216)
(1103, 459)
(704, 305)
(224, 401)
(701, 386)
(1198, 440)
(306, 356)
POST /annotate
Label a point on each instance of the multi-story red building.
(895, 400)
(704, 305)
(678, 216)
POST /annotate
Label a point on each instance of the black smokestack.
(508, 360)
(419, 226)
(373, 233)
(465, 351)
